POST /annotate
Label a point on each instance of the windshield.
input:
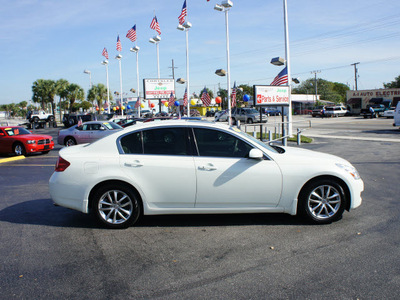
(112, 125)
(258, 142)
(16, 131)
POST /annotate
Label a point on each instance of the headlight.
(31, 141)
(351, 170)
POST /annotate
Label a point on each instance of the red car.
(18, 140)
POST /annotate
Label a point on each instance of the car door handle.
(209, 167)
(134, 164)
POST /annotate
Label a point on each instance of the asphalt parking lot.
(51, 252)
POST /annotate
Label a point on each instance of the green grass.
(265, 136)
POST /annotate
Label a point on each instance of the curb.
(4, 160)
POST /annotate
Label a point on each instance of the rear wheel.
(322, 201)
(116, 206)
(19, 149)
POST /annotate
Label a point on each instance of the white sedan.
(196, 167)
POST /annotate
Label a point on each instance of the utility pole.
(315, 84)
(173, 70)
(355, 74)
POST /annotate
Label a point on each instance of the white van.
(396, 116)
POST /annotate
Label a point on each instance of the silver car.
(88, 132)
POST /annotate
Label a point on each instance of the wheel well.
(117, 182)
(344, 186)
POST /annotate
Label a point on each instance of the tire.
(50, 119)
(69, 141)
(116, 206)
(35, 120)
(322, 201)
(19, 149)
(250, 121)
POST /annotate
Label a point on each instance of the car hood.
(34, 137)
(304, 156)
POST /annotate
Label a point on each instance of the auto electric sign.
(271, 95)
(158, 88)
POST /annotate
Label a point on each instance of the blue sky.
(59, 39)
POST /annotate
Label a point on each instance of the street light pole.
(136, 50)
(185, 27)
(225, 6)
(118, 57)
(287, 58)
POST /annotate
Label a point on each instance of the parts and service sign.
(271, 95)
(158, 88)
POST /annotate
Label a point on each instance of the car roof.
(176, 122)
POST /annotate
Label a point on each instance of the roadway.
(51, 252)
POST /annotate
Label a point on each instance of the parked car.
(196, 167)
(271, 111)
(335, 111)
(389, 113)
(88, 132)
(247, 115)
(304, 111)
(317, 111)
(20, 141)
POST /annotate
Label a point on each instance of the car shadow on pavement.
(43, 212)
(383, 131)
(204, 220)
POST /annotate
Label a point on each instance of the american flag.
(233, 102)
(132, 33)
(205, 97)
(105, 53)
(183, 14)
(281, 78)
(154, 25)
(137, 104)
(119, 47)
(171, 100)
(185, 98)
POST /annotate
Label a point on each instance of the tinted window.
(165, 141)
(217, 143)
(132, 143)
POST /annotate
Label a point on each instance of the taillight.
(61, 164)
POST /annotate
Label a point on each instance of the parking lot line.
(8, 159)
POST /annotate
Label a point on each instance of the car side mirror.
(256, 154)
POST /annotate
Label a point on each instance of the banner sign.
(273, 95)
(158, 88)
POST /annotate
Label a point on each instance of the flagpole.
(228, 75)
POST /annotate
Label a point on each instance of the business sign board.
(265, 95)
(158, 88)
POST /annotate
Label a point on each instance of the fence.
(273, 132)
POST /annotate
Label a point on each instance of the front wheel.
(322, 201)
(70, 141)
(19, 149)
(116, 206)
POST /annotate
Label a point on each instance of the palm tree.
(74, 92)
(61, 90)
(44, 91)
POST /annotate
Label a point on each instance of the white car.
(389, 113)
(197, 167)
(335, 111)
